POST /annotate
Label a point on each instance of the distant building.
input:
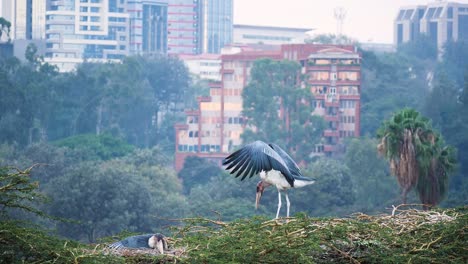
(248, 34)
(27, 18)
(199, 26)
(214, 129)
(7, 12)
(184, 25)
(441, 21)
(217, 25)
(93, 30)
(148, 26)
(205, 66)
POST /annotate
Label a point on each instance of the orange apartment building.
(334, 77)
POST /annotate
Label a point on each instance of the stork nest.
(403, 235)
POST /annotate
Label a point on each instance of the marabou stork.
(274, 166)
(157, 241)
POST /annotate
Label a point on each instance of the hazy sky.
(366, 20)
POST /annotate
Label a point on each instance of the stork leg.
(279, 204)
(287, 204)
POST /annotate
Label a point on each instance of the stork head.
(157, 241)
(260, 188)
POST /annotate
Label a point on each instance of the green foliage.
(391, 82)
(138, 100)
(112, 196)
(423, 47)
(454, 62)
(226, 197)
(102, 147)
(373, 186)
(447, 106)
(18, 192)
(278, 110)
(331, 39)
(26, 244)
(417, 155)
(359, 239)
(5, 27)
(197, 171)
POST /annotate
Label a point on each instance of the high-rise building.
(217, 25)
(22, 28)
(26, 18)
(7, 12)
(334, 78)
(184, 27)
(148, 26)
(440, 21)
(78, 30)
(37, 19)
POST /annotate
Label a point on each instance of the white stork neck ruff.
(155, 242)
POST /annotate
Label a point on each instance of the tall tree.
(5, 27)
(417, 155)
(277, 108)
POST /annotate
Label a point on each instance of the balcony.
(333, 103)
(334, 118)
(331, 133)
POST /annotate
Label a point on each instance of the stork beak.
(257, 198)
(260, 189)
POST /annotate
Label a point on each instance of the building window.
(83, 9)
(319, 76)
(95, 19)
(94, 9)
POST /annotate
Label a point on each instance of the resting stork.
(274, 166)
(157, 241)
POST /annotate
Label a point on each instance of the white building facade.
(79, 30)
(440, 21)
(247, 34)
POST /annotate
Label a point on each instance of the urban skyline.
(365, 20)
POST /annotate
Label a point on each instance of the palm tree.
(417, 155)
(433, 182)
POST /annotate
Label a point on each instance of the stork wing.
(290, 163)
(140, 241)
(254, 158)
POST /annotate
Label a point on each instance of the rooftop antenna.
(340, 15)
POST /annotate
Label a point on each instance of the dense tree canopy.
(131, 100)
